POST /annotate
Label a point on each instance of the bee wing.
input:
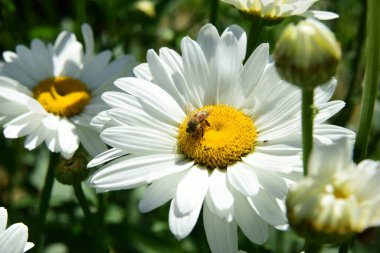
(189, 108)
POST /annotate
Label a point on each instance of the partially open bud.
(307, 54)
(337, 199)
(72, 171)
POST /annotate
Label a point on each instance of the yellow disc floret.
(220, 138)
(62, 96)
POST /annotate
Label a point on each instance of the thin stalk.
(255, 34)
(344, 248)
(88, 217)
(80, 8)
(214, 11)
(370, 80)
(44, 201)
(307, 126)
(312, 247)
(346, 113)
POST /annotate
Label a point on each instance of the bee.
(197, 123)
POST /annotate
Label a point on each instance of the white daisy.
(13, 239)
(278, 9)
(338, 198)
(237, 162)
(50, 92)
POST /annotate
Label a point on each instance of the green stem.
(80, 12)
(344, 248)
(307, 125)
(255, 34)
(88, 217)
(312, 247)
(214, 11)
(370, 80)
(346, 113)
(44, 201)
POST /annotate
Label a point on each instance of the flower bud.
(72, 171)
(307, 54)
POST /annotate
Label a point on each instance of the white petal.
(219, 197)
(139, 140)
(208, 39)
(90, 140)
(160, 192)
(191, 190)
(267, 207)
(22, 125)
(243, 178)
(131, 171)
(153, 96)
(162, 77)
(221, 235)
(13, 240)
(327, 159)
(240, 36)
(321, 15)
(196, 71)
(254, 68)
(181, 225)
(88, 36)
(67, 138)
(106, 156)
(249, 222)
(3, 219)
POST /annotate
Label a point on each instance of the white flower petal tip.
(14, 238)
(321, 15)
(169, 127)
(275, 10)
(62, 124)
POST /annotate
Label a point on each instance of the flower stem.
(254, 36)
(307, 125)
(44, 201)
(89, 219)
(214, 11)
(312, 247)
(344, 248)
(370, 80)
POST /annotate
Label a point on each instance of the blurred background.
(133, 27)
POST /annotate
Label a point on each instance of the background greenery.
(124, 27)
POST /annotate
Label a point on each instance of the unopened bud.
(307, 54)
(72, 171)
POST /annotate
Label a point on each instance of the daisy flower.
(278, 9)
(202, 129)
(13, 239)
(338, 198)
(49, 93)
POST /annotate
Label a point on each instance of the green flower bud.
(307, 54)
(72, 171)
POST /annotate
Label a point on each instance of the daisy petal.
(191, 190)
(181, 225)
(221, 235)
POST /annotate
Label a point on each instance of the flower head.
(13, 239)
(278, 9)
(202, 129)
(307, 54)
(49, 93)
(338, 198)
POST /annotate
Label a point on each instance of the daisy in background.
(49, 93)
(13, 239)
(279, 9)
(338, 198)
(235, 152)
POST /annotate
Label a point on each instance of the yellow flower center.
(62, 96)
(216, 136)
